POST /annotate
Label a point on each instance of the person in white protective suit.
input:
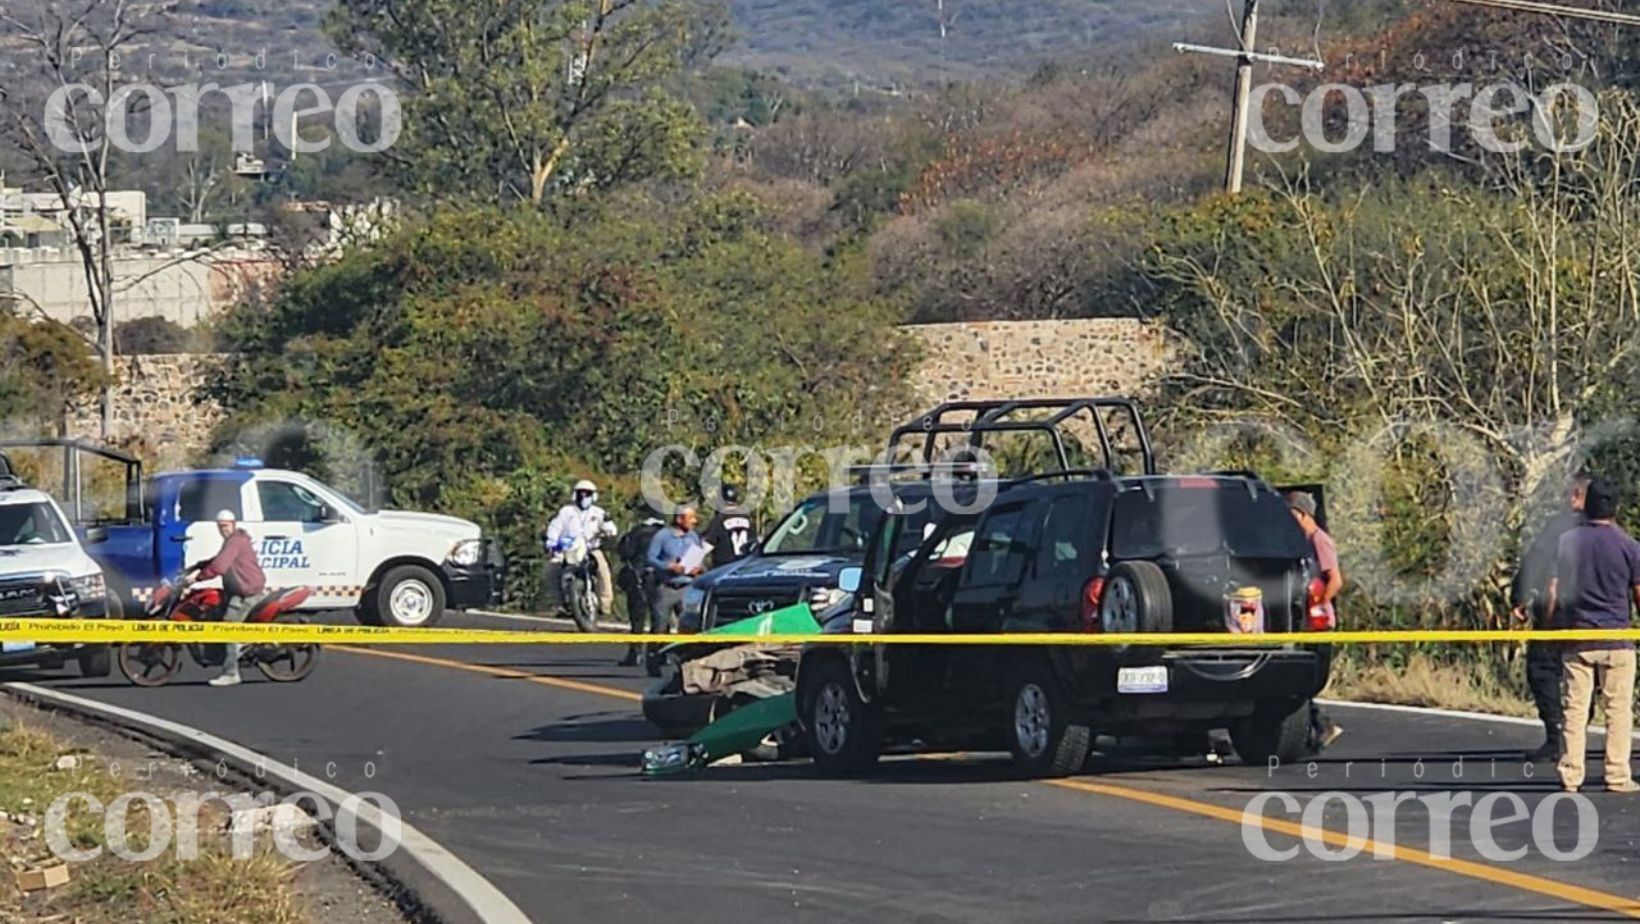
(581, 519)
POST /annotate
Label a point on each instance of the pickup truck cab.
(392, 568)
(46, 573)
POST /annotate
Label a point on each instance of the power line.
(1557, 9)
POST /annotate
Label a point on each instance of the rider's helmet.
(585, 493)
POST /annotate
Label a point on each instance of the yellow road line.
(562, 683)
(1590, 898)
(1577, 895)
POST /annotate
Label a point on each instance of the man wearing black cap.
(1597, 577)
(731, 533)
(1545, 672)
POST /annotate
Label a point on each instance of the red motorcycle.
(153, 664)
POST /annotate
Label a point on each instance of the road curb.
(427, 881)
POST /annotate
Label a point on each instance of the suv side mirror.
(328, 514)
(849, 580)
(96, 535)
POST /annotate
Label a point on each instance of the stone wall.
(154, 409)
(1004, 359)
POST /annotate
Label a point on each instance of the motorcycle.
(153, 664)
(580, 585)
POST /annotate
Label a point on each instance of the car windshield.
(1180, 520)
(829, 523)
(31, 524)
(819, 526)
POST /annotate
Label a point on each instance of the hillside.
(814, 42)
(899, 41)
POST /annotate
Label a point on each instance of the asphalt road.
(522, 760)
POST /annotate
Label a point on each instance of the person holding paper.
(677, 556)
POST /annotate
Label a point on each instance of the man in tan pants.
(1597, 575)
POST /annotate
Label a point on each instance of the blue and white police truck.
(390, 567)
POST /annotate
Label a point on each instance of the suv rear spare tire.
(1042, 736)
(1136, 599)
(843, 732)
(1282, 732)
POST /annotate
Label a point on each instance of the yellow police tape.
(102, 632)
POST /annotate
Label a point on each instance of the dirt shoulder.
(46, 755)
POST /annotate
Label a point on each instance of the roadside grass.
(1422, 680)
(211, 888)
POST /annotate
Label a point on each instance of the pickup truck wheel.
(95, 661)
(1271, 732)
(843, 732)
(409, 597)
(1042, 736)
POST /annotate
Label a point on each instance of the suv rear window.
(1183, 520)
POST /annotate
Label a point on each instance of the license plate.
(1141, 680)
(15, 647)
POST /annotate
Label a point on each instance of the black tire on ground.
(408, 597)
(1137, 599)
(1042, 734)
(288, 663)
(95, 661)
(149, 664)
(583, 610)
(1280, 731)
(842, 731)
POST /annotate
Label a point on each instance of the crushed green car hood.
(797, 619)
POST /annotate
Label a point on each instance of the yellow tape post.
(102, 632)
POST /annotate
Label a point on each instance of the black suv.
(1076, 552)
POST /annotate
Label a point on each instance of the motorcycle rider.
(731, 533)
(581, 519)
(242, 583)
(637, 579)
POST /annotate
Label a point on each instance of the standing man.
(636, 579)
(581, 519)
(730, 532)
(673, 575)
(1323, 731)
(242, 582)
(1597, 575)
(1545, 674)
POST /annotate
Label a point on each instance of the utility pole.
(1246, 57)
(1237, 158)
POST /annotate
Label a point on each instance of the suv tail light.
(1091, 595)
(1321, 617)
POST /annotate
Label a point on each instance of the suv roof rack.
(997, 416)
(923, 470)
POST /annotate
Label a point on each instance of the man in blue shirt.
(1597, 575)
(672, 578)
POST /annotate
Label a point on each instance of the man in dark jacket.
(1545, 671)
(635, 579)
(731, 533)
(242, 582)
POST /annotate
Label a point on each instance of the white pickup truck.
(392, 568)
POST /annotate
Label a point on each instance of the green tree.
(513, 100)
(486, 357)
(45, 367)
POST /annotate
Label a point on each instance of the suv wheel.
(1044, 740)
(843, 732)
(1136, 599)
(1272, 732)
